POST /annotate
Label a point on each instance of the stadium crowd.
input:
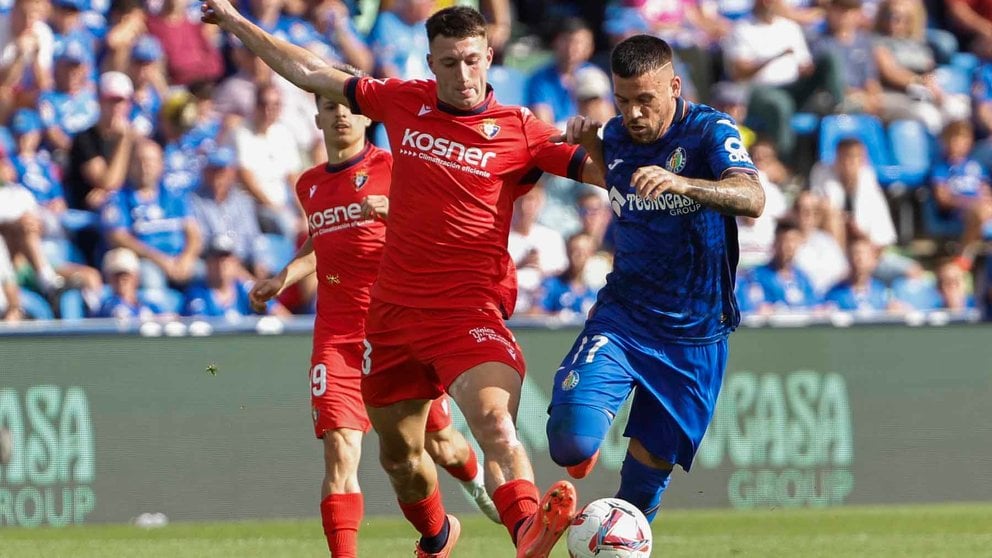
(147, 161)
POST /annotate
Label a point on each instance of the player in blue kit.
(678, 174)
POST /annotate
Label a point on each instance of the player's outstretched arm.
(298, 65)
(737, 193)
(303, 264)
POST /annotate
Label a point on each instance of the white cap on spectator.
(120, 260)
(116, 85)
(592, 83)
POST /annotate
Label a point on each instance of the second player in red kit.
(345, 203)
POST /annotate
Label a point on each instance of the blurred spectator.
(120, 268)
(67, 24)
(338, 29)
(550, 89)
(906, 65)
(236, 93)
(820, 257)
(847, 40)
(34, 169)
(10, 294)
(222, 294)
(861, 291)
(269, 163)
(99, 156)
(399, 40)
(960, 183)
(972, 17)
(177, 117)
(210, 128)
(594, 95)
(221, 208)
(72, 106)
(153, 222)
(851, 188)
(21, 229)
(127, 25)
(537, 251)
(147, 72)
(731, 98)
(769, 52)
(952, 287)
(595, 216)
(190, 52)
(568, 294)
(26, 47)
(780, 284)
(683, 24)
(756, 237)
(765, 158)
(808, 13)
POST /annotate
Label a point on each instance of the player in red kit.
(345, 202)
(446, 282)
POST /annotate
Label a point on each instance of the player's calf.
(641, 484)
(342, 505)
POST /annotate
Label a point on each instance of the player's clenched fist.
(651, 182)
(217, 12)
(375, 207)
(263, 291)
(580, 130)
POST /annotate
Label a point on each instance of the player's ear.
(676, 87)
(430, 63)
(489, 57)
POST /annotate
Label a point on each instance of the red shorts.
(336, 392)
(418, 352)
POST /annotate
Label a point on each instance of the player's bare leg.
(489, 396)
(341, 503)
(450, 450)
(411, 471)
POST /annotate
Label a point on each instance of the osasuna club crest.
(490, 128)
(676, 161)
(361, 177)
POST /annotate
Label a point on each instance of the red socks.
(467, 471)
(427, 516)
(342, 515)
(516, 500)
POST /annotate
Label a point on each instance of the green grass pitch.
(958, 530)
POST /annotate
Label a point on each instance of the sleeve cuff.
(575, 164)
(351, 92)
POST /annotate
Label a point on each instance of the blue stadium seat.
(870, 131)
(509, 84)
(920, 293)
(935, 223)
(278, 252)
(380, 139)
(36, 306)
(953, 79)
(71, 305)
(805, 123)
(910, 150)
(965, 61)
(74, 220)
(168, 300)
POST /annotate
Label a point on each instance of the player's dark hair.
(786, 224)
(639, 55)
(456, 22)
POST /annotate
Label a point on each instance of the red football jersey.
(348, 248)
(456, 174)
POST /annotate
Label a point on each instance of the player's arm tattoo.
(737, 193)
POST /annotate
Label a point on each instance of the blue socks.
(642, 485)
(433, 545)
(575, 432)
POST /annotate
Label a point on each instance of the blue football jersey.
(676, 260)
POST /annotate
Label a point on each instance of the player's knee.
(575, 433)
(442, 450)
(342, 450)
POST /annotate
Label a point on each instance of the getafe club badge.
(490, 128)
(676, 161)
(570, 381)
(361, 177)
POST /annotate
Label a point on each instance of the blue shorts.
(676, 387)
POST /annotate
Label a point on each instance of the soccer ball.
(609, 528)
